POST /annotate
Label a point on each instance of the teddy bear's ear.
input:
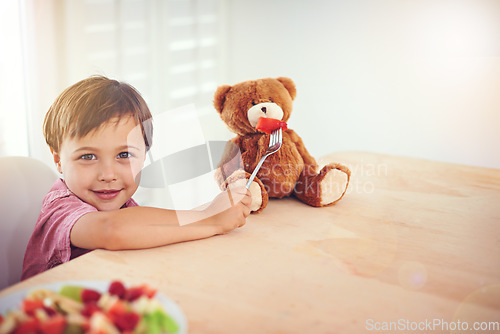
(289, 85)
(220, 97)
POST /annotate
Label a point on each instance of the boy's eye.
(124, 155)
(88, 157)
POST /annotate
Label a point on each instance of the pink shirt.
(50, 243)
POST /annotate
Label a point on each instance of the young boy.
(99, 131)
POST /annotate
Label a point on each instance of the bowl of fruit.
(76, 307)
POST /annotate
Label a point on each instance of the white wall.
(415, 78)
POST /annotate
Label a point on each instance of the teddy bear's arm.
(299, 144)
(230, 161)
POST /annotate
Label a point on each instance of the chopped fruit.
(54, 325)
(148, 291)
(160, 322)
(126, 321)
(89, 309)
(30, 305)
(89, 295)
(29, 326)
(133, 293)
(73, 292)
(268, 125)
(49, 310)
(118, 307)
(117, 288)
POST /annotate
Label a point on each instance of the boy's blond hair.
(88, 104)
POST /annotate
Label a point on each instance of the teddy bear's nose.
(264, 109)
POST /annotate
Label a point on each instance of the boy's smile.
(107, 194)
(101, 168)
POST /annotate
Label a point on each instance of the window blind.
(167, 49)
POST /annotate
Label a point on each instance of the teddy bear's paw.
(256, 194)
(257, 190)
(333, 185)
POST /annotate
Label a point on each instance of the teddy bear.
(291, 171)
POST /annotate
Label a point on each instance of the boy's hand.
(230, 208)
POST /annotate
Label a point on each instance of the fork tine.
(276, 138)
(272, 139)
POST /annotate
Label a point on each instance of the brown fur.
(291, 170)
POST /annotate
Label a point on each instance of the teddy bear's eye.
(270, 100)
(253, 103)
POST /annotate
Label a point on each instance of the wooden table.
(413, 244)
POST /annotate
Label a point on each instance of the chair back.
(24, 182)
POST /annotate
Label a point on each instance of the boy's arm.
(146, 227)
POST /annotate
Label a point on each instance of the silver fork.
(275, 141)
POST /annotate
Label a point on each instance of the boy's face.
(102, 168)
